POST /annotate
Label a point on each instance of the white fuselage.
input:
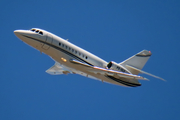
(70, 58)
(62, 51)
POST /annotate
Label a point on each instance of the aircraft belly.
(112, 80)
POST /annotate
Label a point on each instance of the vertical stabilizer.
(137, 61)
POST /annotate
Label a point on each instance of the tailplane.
(135, 63)
(140, 71)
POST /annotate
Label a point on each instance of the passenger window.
(75, 52)
(72, 50)
(69, 48)
(59, 44)
(83, 55)
(37, 31)
(86, 57)
(79, 54)
(66, 47)
(62, 45)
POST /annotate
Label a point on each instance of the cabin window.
(72, 50)
(75, 52)
(69, 49)
(37, 31)
(59, 44)
(62, 45)
(86, 57)
(79, 54)
(41, 32)
(66, 47)
(83, 56)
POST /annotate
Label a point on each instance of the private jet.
(71, 59)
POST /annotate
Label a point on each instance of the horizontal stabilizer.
(140, 71)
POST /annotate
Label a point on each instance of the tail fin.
(137, 61)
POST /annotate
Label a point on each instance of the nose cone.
(21, 33)
(18, 33)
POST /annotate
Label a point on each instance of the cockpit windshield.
(41, 32)
(33, 30)
(37, 31)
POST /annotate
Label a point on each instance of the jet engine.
(115, 66)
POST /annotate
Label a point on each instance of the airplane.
(71, 59)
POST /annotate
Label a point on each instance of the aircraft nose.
(18, 32)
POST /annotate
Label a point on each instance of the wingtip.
(163, 79)
(147, 79)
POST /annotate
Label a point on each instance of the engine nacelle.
(115, 66)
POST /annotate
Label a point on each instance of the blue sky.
(113, 30)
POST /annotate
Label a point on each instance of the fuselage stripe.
(143, 55)
(123, 82)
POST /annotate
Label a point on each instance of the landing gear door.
(48, 41)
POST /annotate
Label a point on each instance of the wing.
(108, 72)
(140, 71)
(58, 69)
